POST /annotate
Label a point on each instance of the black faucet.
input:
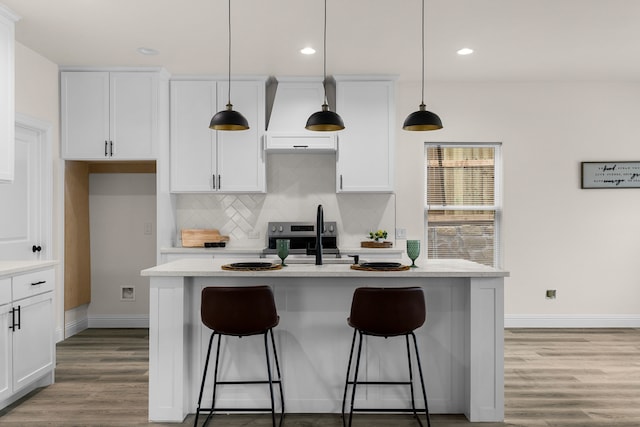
(319, 230)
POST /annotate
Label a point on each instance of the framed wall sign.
(610, 174)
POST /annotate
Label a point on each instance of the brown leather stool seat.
(386, 312)
(240, 312)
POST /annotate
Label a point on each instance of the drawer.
(29, 284)
(5, 290)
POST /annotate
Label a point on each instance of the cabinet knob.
(35, 248)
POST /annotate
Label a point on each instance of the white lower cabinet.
(27, 344)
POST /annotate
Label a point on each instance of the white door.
(25, 203)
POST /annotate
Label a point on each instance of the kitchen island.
(461, 343)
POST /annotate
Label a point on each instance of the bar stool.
(240, 312)
(386, 312)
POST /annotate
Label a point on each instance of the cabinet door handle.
(300, 146)
(106, 145)
(110, 148)
(35, 248)
(39, 283)
(13, 319)
(219, 183)
(341, 181)
(15, 325)
(213, 177)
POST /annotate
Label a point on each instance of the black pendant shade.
(324, 120)
(422, 120)
(229, 120)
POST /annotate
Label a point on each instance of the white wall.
(37, 96)
(584, 243)
(121, 207)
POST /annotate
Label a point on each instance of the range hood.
(296, 98)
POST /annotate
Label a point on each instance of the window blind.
(461, 202)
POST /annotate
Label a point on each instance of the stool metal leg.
(413, 399)
(355, 378)
(275, 356)
(424, 390)
(204, 377)
(273, 408)
(346, 383)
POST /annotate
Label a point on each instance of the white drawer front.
(5, 290)
(26, 285)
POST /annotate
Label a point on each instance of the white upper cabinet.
(110, 115)
(366, 147)
(204, 160)
(7, 92)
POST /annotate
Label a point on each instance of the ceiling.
(514, 40)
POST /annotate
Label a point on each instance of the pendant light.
(228, 119)
(422, 119)
(325, 120)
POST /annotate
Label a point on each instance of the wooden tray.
(372, 244)
(197, 237)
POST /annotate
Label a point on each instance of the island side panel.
(169, 345)
(485, 355)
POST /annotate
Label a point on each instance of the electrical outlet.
(148, 228)
(401, 233)
(127, 293)
(550, 294)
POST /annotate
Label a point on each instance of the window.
(462, 201)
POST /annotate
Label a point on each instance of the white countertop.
(427, 268)
(258, 251)
(8, 268)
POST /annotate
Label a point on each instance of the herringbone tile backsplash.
(296, 184)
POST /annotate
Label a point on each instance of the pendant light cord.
(324, 54)
(229, 88)
(422, 52)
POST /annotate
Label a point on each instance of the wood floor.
(570, 377)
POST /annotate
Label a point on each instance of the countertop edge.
(10, 268)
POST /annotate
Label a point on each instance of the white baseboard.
(119, 321)
(571, 321)
(75, 326)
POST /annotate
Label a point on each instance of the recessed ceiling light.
(465, 51)
(147, 51)
(307, 50)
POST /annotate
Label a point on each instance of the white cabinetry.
(204, 160)
(27, 350)
(5, 339)
(366, 147)
(7, 92)
(110, 115)
(296, 98)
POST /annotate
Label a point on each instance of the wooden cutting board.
(196, 237)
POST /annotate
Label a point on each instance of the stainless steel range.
(302, 237)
